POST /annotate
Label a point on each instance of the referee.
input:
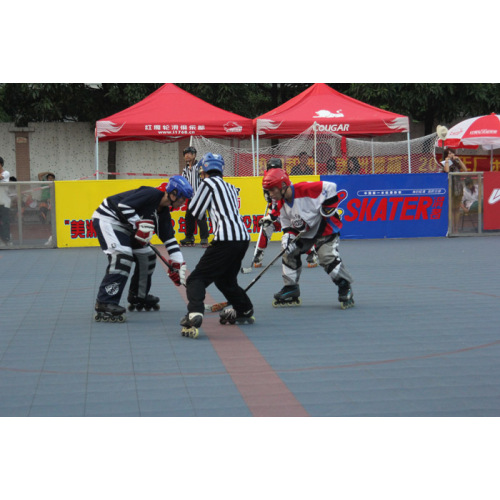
(192, 174)
(221, 262)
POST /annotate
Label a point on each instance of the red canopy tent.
(329, 111)
(170, 114)
(332, 112)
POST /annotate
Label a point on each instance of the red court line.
(263, 391)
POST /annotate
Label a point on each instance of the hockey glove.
(144, 230)
(288, 242)
(327, 211)
(178, 274)
(267, 220)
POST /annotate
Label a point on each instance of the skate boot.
(346, 297)
(259, 257)
(232, 317)
(312, 258)
(288, 296)
(204, 243)
(113, 313)
(187, 242)
(150, 302)
(190, 324)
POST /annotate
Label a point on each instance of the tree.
(430, 103)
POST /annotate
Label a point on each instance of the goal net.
(328, 153)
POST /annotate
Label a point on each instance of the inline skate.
(259, 257)
(150, 302)
(190, 324)
(112, 313)
(346, 297)
(232, 317)
(288, 296)
(187, 242)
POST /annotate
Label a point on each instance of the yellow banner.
(76, 201)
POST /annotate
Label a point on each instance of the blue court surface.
(422, 341)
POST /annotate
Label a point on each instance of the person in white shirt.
(470, 196)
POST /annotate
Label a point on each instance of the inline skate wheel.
(293, 303)
(190, 332)
(347, 304)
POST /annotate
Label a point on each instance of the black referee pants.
(191, 225)
(220, 264)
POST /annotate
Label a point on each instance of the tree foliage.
(430, 103)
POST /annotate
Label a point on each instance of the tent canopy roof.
(333, 112)
(170, 114)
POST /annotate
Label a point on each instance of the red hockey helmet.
(275, 178)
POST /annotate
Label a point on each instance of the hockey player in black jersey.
(124, 224)
(221, 262)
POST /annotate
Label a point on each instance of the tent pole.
(409, 152)
(373, 159)
(253, 157)
(315, 149)
(96, 156)
(257, 149)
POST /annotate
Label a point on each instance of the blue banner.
(393, 205)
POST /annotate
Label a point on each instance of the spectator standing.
(192, 174)
(302, 168)
(5, 202)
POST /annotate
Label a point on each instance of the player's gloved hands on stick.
(178, 275)
(288, 243)
(144, 230)
(267, 220)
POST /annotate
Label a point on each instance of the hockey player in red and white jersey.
(268, 228)
(308, 209)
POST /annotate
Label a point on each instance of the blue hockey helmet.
(179, 184)
(212, 162)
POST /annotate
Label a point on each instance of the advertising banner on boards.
(377, 206)
(491, 197)
(393, 205)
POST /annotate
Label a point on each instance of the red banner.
(481, 163)
(491, 197)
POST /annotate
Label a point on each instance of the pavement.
(423, 339)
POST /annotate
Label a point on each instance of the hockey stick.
(160, 256)
(165, 261)
(219, 306)
(246, 270)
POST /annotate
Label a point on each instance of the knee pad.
(337, 271)
(120, 263)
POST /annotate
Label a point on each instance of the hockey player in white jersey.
(311, 210)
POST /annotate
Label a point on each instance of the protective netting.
(238, 162)
(329, 153)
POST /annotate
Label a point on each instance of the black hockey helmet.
(274, 163)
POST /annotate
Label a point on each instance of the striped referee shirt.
(192, 174)
(221, 201)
